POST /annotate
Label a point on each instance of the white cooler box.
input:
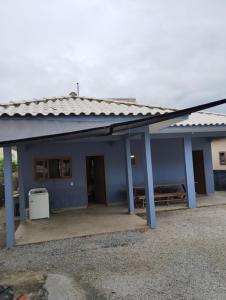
(38, 203)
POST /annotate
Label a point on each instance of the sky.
(161, 52)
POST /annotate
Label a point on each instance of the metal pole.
(77, 88)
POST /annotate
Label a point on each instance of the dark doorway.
(199, 172)
(96, 179)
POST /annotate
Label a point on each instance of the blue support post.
(21, 184)
(149, 186)
(189, 172)
(9, 203)
(129, 176)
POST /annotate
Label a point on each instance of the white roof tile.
(92, 106)
(79, 106)
(203, 119)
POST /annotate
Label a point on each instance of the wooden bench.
(169, 197)
(162, 194)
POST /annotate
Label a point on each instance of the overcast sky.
(162, 52)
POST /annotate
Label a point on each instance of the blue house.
(87, 150)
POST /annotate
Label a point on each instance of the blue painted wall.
(168, 167)
(62, 193)
(168, 161)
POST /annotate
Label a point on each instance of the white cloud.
(169, 53)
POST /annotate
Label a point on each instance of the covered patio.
(96, 219)
(93, 220)
(78, 140)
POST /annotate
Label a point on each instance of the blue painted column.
(20, 149)
(129, 176)
(149, 185)
(9, 203)
(189, 172)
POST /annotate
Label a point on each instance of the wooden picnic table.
(160, 193)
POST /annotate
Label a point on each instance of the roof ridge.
(34, 100)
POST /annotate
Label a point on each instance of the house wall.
(218, 145)
(73, 192)
(168, 161)
(220, 180)
(29, 127)
(167, 157)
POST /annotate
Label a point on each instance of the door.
(199, 172)
(95, 171)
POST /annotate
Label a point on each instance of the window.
(66, 168)
(41, 169)
(222, 158)
(133, 160)
(52, 168)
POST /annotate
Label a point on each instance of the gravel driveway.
(184, 258)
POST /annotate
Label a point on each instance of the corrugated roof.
(203, 119)
(79, 106)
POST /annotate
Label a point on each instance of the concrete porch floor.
(96, 219)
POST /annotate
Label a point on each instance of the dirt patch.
(26, 283)
(60, 286)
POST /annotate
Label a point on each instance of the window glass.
(41, 169)
(222, 158)
(54, 168)
(66, 168)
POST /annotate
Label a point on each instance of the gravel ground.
(184, 258)
(2, 228)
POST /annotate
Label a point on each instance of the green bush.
(14, 166)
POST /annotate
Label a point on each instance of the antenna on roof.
(77, 83)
